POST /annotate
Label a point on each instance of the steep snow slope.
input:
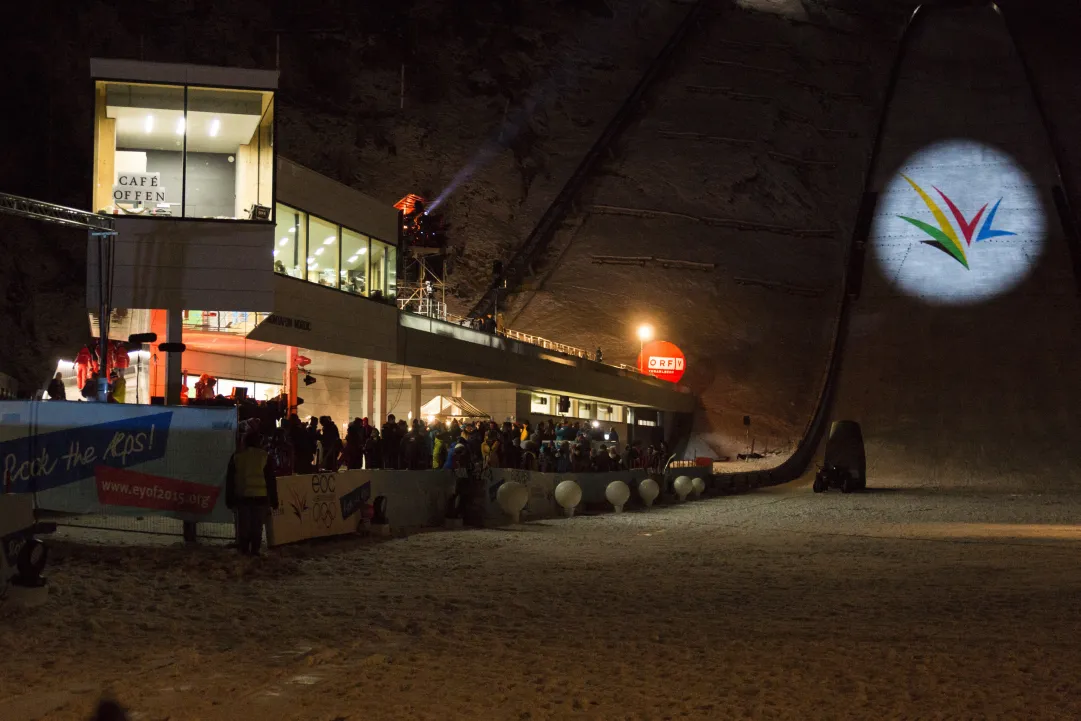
(749, 158)
(964, 375)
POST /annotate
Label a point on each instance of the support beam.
(456, 389)
(174, 363)
(368, 393)
(291, 377)
(415, 395)
(380, 383)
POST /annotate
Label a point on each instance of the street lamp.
(645, 334)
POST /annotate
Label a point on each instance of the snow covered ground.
(899, 603)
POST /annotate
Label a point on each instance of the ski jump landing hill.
(960, 348)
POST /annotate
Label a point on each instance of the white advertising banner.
(331, 504)
(118, 458)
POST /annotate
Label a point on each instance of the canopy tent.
(451, 407)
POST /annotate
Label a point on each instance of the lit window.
(323, 262)
(171, 151)
(354, 273)
(291, 232)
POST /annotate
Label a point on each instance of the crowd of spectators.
(552, 447)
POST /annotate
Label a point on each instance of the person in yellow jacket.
(251, 491)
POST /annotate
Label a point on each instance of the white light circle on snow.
(973, 176)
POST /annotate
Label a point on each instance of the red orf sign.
(663, 360)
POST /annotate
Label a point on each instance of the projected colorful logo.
(945, 237)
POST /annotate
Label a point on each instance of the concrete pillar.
(368, 392)
(291, 377)
(174, 362)
(414, 395)
(380, 384)
(456, 389)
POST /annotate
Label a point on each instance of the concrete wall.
(307, 190)
(188, 264)
(332, 321)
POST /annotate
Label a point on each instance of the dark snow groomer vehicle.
(22, 555)
(844, 465)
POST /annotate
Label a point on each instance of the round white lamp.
(648, 490)
(683, 487)
(617, 493)
(699, 485)
(568, 495)
(512, 497)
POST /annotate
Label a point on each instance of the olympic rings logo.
(323, 514)
(323, 483)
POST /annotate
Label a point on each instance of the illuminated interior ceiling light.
(315, 266)
(215, 127)
(311, 259)
(148, 124)
(362, 251)
(320, 251)
(276, 253)
(180, 125)
(354, 259)
(283, 241)
(330, 240)
(292, 230)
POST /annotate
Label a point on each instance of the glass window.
(322, 252)
(540, 403)
(392, 272)
(138, 149)
(354, 272)
(378, 273)
(229, 155)
(171, 151)
(290, 241)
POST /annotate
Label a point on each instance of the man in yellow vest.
(251, 491)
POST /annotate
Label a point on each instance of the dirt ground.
(917, 603)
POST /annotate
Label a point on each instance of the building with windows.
(278, 280)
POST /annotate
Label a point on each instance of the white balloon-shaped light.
(568, 495)
(512, 497)
(617, 493)
(683, 486)
(699, 486)
(648, 490)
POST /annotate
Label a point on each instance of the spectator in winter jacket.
(353, 453)
(373, 451)
(529, 457)
(441, 450)
(56, 388)
(495, 452)
(563, 458)
(391, 442)
(331, 442)
(251, 491)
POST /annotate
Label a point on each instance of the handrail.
(542, 232)
(794, 466)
